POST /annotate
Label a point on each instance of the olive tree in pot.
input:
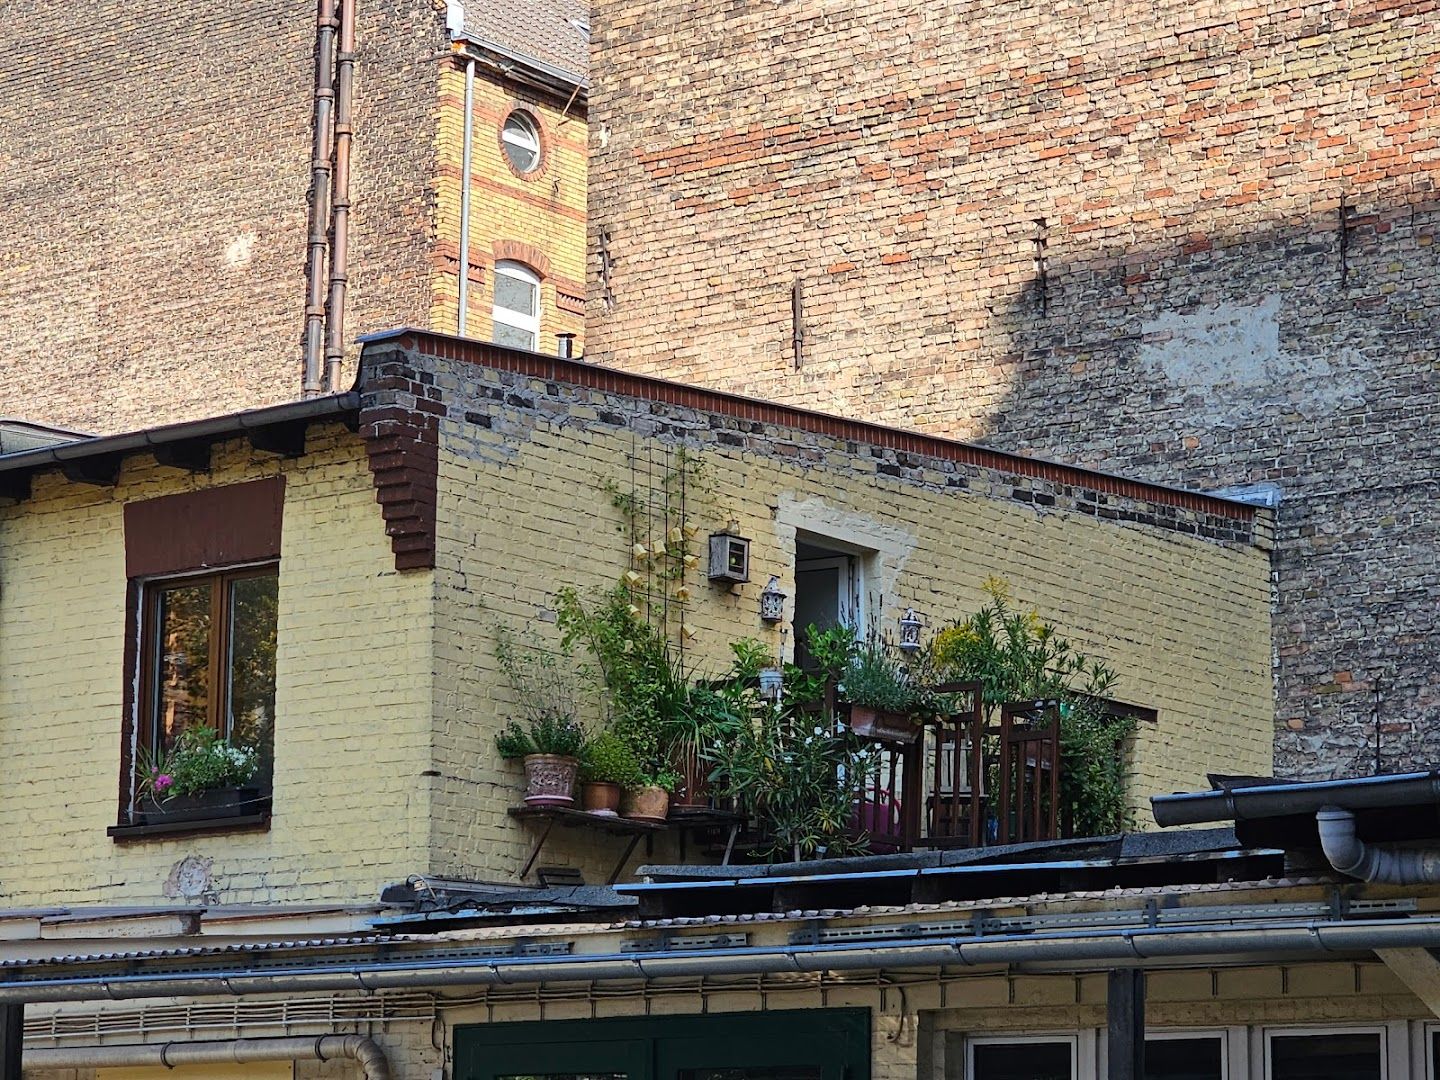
(550, 739)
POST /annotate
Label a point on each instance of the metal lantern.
(729, 556)
(771, 680)
(772, 602)
(910, 631)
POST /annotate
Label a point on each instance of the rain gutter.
(1292, 799)
(1126, 947)
(331, 406)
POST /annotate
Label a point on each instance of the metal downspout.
(1351, 855)
(314, 342)
(365, 1052)
(340, 198)
(465, 163)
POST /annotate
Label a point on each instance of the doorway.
(829, 589)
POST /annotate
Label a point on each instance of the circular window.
(521, 139)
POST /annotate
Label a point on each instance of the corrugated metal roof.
(554, 32)
(205, 951)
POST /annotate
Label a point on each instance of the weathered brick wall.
(154, 164)
(1188, 241)
(537, 219)
(1173, 591)
(353, 687)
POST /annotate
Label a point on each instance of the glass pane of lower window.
(1038, 1060)
(1338, 1056)
(182, 685)
(514, 337)
(252, 661)
(565, 1076)
(1184, 1059)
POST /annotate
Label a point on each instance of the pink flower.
(163, 781)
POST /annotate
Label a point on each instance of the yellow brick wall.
(352, 694)
(545, 211)
(1184, 621)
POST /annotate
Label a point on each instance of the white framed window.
(1022, 1057)
(520, 139)
(516, 312)
(1351, 1053)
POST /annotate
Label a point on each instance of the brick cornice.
(647, 388)
(402, 444)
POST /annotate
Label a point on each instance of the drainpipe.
(465, 161)
(1351, 855)
(340, 197)
(365, 1052)
(313, 374)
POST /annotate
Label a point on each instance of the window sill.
(258, 822)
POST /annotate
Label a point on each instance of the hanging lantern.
(771, 680)
(910, 631)
(772, 602)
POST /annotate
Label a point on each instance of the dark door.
(819, 1044)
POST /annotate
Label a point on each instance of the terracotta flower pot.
(886, 726)
(645, 804)
(550, 780)
(600, 798)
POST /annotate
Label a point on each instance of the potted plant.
(880, 692)
(607, 766)
(650, 800)
(550, 738)
(550, 750)
(203, 776)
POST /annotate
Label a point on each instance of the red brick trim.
(644, 387)
(402, 443)
(519, 251)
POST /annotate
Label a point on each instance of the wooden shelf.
(683, 822)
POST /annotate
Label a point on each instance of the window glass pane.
(565, 1076)
(1183, 1059)
(515, 294)
(514, 337)
(1349, 1056)
(182, 678)
(521, 141)
(1022, 1061)
(252, 661)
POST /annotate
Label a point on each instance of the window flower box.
(212, 805)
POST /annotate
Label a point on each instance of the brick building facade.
(152, 260)
(1188, 241)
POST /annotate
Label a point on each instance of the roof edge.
(648, 387)
(210, 429)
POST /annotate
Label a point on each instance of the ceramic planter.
(600, 798)
(646, 804)
(550, 780)
(217, 803)
(885, 726)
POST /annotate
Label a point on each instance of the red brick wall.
(154, 161)
(1109, 235)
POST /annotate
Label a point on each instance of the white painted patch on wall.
(1229, 356)
(240, 250)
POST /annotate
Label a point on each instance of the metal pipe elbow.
(1350, 855)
